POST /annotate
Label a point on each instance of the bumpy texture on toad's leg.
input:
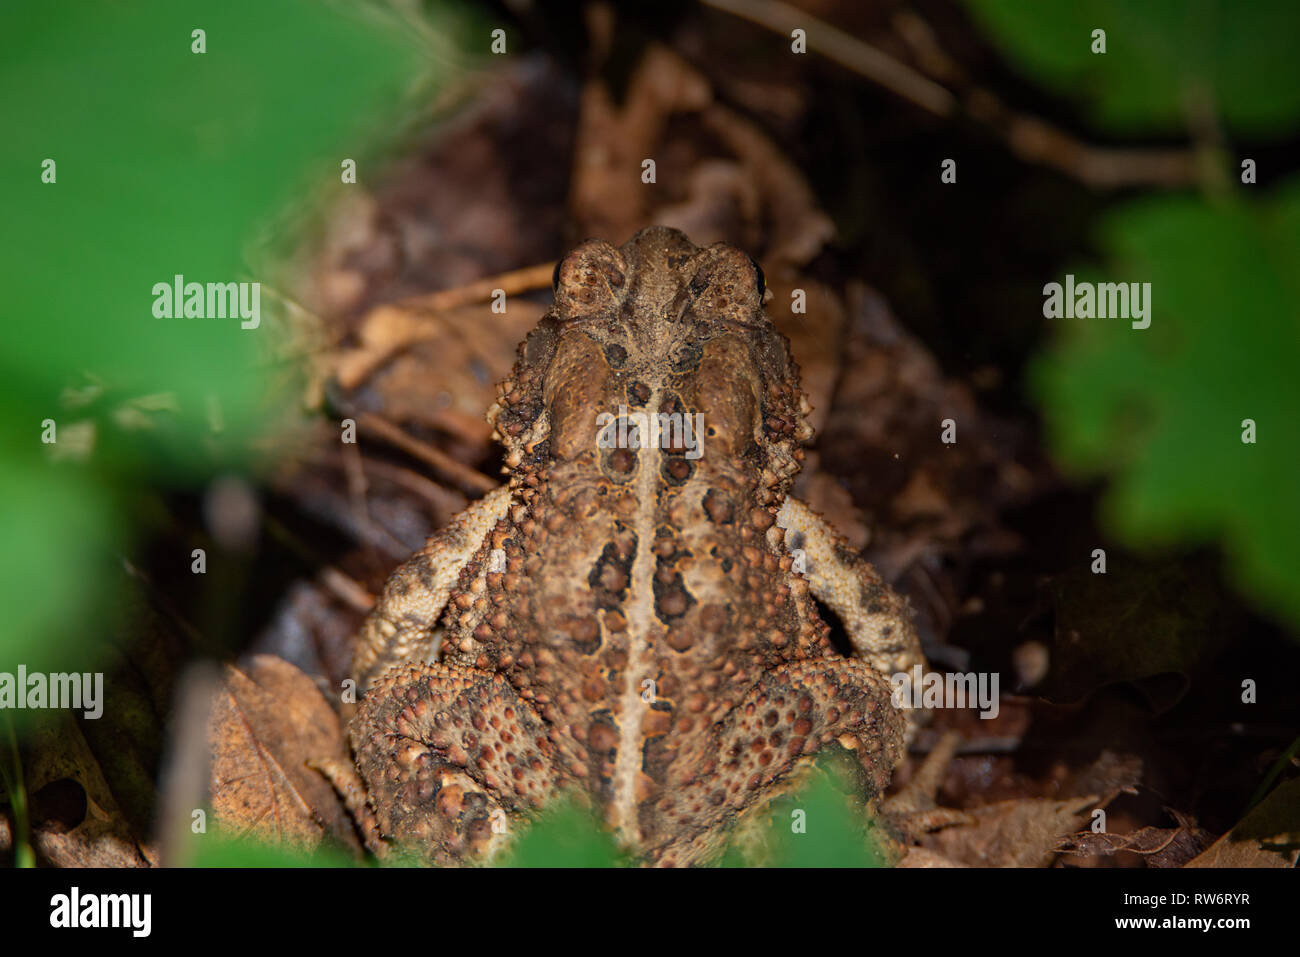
(448, 755)
(347, 784)
(877, 619)
(790, 714)
(402, 625)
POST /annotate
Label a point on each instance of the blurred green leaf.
(1161, 410)
(836, 832)
(1238, 59)
(168, 162)
(56, 561)
(565, 835)
(822, 824)
(219, 849)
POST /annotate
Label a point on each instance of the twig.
(347, 589)
(183, 785)
(470, 480)
(441, 499)
(417, 318)
(1028, 137)
(513, 283)
(354, 475)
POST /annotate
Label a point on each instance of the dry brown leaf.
(1109, 775)
(1269, 836)
(435, 371)
(721, 203)
(797, 228)
(268, 720)
(1023, 833)
(923, 495)
(816, 338)
(91, 782)
(920, 857)
(75, 819)
(613, 139)
(1161, 846)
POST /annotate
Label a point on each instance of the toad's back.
(631, 584)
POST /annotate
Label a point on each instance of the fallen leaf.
(268, 720)
(75, 818)
(1161, 846)
(1022, 833)
(920, 857)
(1269, 836)
(1108, 776)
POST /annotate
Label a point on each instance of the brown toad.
(633, 613)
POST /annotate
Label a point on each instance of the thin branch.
(514, 283)
(1029, 138)
(468, 479)
(846, 50)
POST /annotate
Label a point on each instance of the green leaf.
(219, 849)
(834, 831)
(821, 824)
(57, 560)
(167, 162)
(565, 835)
(1238, 59)
(1161, 410)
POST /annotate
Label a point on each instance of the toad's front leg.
(877, 619)
(403, 624)
(449, 756)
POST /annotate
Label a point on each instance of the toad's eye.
(759, 278)
(555, 276)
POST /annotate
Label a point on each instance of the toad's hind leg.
(877, 619)
(770, 735)
(449, 756)
(401, 626)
